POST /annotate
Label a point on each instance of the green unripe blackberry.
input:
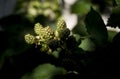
(38, 28)
(30, 39)
(47, 34)
(61, 25)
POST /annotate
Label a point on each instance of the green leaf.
(118, 2)
(80, 29)
(111, 35)
(87, 45)
(114, 19)
(81, 7)
(45, 71)
(96, 28)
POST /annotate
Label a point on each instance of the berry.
(64, 34)
(61, 25)
(37, 28)
(29, 39)
(53, 44)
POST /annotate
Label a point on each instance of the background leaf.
(81, 7)
(114, 19)
(96, 27)
(117, 2)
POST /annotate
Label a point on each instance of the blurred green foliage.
(81, 7)
(32, 8)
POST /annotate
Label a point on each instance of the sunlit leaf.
(87, 45)
(111, 35)
(45, 71)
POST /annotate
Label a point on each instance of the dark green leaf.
(114, 19)
(96, 27)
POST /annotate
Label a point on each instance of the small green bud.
(29, 38)
(44, 48)
(38, 40)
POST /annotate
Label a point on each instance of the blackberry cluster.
(49, 40)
